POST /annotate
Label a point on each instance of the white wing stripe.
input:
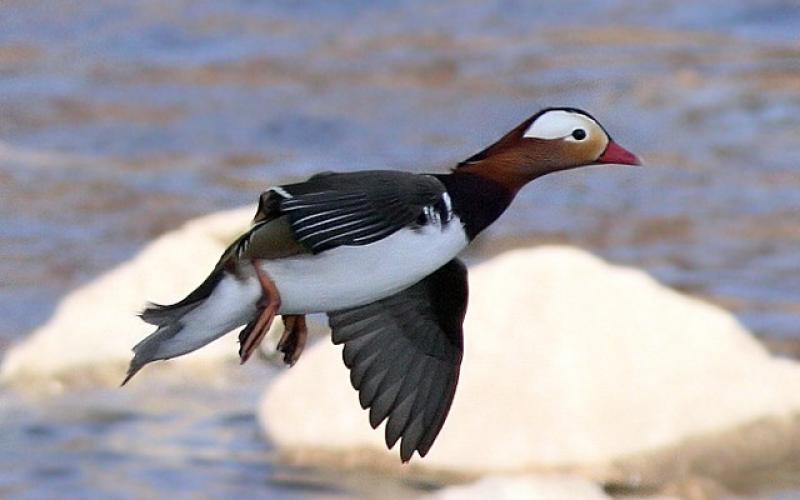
(280, 191)
(324, 221)
(329, 229)
(448, 204)
(343, 235)
(314, 216)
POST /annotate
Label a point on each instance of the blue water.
(120, 119)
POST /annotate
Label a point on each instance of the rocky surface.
(91, 333)
(531, 487)
(573, 364)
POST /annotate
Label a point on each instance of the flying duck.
(377, 251)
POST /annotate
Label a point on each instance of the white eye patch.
(558, 124)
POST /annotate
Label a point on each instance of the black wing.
(404, 354)
(357, 208)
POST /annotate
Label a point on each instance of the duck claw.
(268, 305)
(293, 339)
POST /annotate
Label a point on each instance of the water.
(119, 121)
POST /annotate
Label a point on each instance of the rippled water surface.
(119, 120)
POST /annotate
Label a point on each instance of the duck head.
(553, 139)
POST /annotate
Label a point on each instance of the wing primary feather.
(397, 420)
(366, 347)
(404, 354)
(404, 403)
(384, 402)
(390, 388)
(369, 387)
(411, 436)
(436, 395)
(399, 417)
(351, 332)
(357, 372)
(440, 415)
(352, 348)
(415, 427)
(422, 415)
(378, 365)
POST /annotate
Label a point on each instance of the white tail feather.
(231, 304)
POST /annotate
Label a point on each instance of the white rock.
(94, 327)
(524, 488)
(570, 363)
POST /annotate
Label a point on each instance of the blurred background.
(119, 120)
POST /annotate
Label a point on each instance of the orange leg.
(268, 306)
(293, 340)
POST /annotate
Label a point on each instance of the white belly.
(350, 276)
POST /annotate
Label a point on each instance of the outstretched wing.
(358, 208)
(404, 354)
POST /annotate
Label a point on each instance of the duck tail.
(221, 303)
(160, 314)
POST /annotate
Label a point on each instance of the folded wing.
(358, 208)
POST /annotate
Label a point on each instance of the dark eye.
(579, 134)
